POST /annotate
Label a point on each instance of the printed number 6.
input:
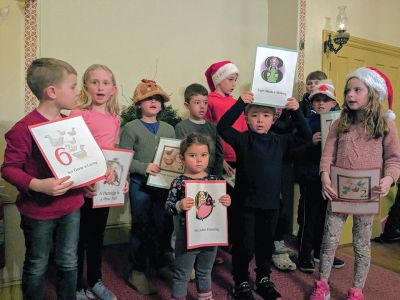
(59, 153)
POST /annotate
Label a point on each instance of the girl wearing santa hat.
(362, 138)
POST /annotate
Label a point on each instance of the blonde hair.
(373, 117)
(85, 101)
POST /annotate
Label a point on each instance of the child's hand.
(110, 175)
(247, 97)
(186, 203)
(384, 186)
(327, 190)
(228, 169)
(126, 187)
(89, 191)
(225, 200)
(316, 138)
(51, 186)
(292, 104)
(153, 169)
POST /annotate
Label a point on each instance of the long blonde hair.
(372, 118)
(85, 101)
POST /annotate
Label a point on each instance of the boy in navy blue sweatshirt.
(312, 207)
(259, 153)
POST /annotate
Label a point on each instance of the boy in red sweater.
(48, 206)
(221, 78)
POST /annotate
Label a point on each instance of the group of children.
(221, 135)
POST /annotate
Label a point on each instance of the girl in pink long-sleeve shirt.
(98, 105)
(363, 138)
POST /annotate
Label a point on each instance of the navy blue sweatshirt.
(259, 158)
(307, 155)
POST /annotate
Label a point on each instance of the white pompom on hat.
(380, 83)
(218, 72)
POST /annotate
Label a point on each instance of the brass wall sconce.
(341, 37)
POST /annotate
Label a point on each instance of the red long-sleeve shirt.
(23, 162)
(217, 107)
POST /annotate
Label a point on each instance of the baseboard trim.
(117, 233)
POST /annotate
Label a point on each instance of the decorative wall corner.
(302, 34)
(31, 41)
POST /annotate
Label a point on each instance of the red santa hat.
(380, 83)
(218, 72)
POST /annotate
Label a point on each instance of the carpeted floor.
(381, 283)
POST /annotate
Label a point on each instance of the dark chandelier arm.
(339, 39)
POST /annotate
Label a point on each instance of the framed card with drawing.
(327, 120)
(70, 149)
(118, 160)
(168, 159)
(273, 77)
(354, 190)
(206, 221)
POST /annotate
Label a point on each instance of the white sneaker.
(81, 295)
(102, 292)
(280, 248)
(90, 295)
(283, 262)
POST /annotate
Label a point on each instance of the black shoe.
(266, 289)
(337, 263)
(307, 265)
(388, 238)
(242, 292)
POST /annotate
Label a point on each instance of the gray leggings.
(362, 229)
(201, 259)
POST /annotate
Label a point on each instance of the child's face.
(227, 86)
(356, 94)
(197, 106)
(311, 84)
(66, 92)
(196, 158)
(321, 103)
(150, 107)
(100, 86)
(260, 119)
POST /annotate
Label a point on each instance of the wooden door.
(360, 52)
(357, 53)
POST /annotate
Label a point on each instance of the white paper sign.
(354, 191)
(70, 150)
(167, 158)
(273, 77)
(206, 221)
(327, 120)
(112, 194)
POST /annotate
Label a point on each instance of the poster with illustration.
(354, 189)
(273, 77)
(206, 221)
(327, 120)
(118, 160)
(167, 157)
(70, 150)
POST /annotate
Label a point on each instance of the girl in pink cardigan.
(363, 138)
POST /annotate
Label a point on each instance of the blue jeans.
(202, 259)
(151, 226)
(39, 237)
